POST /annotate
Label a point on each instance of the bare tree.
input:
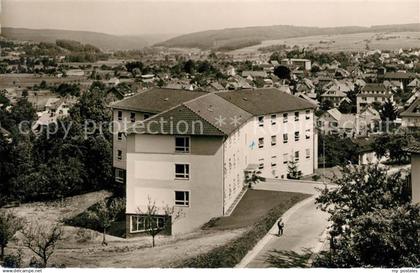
(9, 225)
(42, 239)
(106, 214)
(157, 219)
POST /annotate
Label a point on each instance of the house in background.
(410, 118)
(335, 96)
(366, 151)
(333, 122)
(414, 150)
(302, 64)
(373, 92)
(55, 108)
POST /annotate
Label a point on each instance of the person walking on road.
(280, 225)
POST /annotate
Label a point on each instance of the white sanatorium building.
(193, 148)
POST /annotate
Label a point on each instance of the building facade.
(193, 157)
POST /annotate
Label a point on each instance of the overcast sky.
(176, 17)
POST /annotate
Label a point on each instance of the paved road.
(304, 226)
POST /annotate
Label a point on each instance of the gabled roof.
(334, 93)
(219, 112)
(251, 73)
(179, 120)
(414, 83)
(413, 110)
(399, 75)
(156, 100)
(335, 113)
(265, 101)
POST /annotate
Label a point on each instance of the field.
(29, 80)
(345, 42)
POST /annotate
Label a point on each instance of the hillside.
(234, 38)
(100, 40)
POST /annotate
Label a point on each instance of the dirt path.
(138, 253)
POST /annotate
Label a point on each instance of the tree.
(259, 82)
(345, 107)
(326, 105)
(189, 67)
(283, 72)
(373, 223)
(392, 146)
(335, 151)
(253, 177)
(157, 219)
(42, 239)
(106, 214)
(9, 225)
(68, 89)
(292, 170)
(388, 111)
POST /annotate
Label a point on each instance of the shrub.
(13, 260)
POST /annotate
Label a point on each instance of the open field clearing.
(345, 42)
(29, 80)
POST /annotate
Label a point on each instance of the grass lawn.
(258, 210)
(254, 205)
(84, 221)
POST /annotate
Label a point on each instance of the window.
(285, 158)
(182, 144)
(308, 133)
(182, 198)
(260, 142)
(261, 121)
(285, 138)
(119, 175)
(308, 153)
(119, 154)
(142, 223)
(133, 117)
(296, 116)
(273, 161)
(119, 136)
(308, 114)
(285, 115)
(261, 163)
(297, 136)
(146, 116)
(273, 140)
(119, 115)
(273, 119)
(182, 171)
(297, 155)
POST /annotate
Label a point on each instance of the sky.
(134, 17)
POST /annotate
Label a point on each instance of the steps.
(236, 201)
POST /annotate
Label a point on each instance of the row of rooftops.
(220, 112)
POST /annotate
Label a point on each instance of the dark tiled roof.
(370, 87)
(179, 120)
(413, 110)
(265, 101)
(413, 148)
(399, 75)
(221, 113)
(156, 100)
